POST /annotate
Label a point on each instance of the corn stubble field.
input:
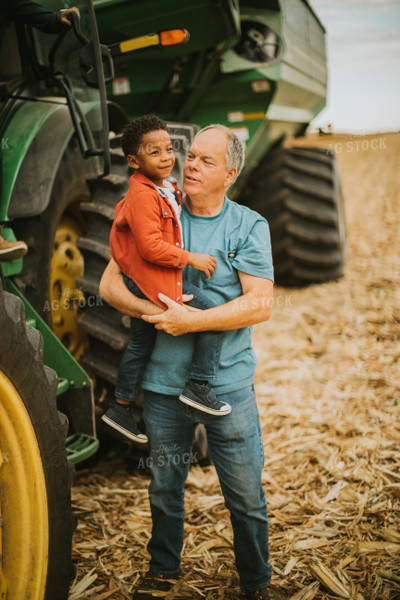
(328, 389)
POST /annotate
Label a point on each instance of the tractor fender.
(38, 137)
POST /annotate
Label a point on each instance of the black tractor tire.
(36, 478)
(298, 191)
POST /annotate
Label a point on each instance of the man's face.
(205, 173)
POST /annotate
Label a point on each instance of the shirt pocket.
(225, 273)
(167, 221)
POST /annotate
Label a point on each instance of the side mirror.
(88, 65)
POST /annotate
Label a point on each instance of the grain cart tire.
(35, 491)
(298, 191)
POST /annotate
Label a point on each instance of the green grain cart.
(259, 68)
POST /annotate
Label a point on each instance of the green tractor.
(259, 68)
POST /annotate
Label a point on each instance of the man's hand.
(202, 262)
(64, 14)
(253, 306)
(175, 320)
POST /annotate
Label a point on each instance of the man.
(30, 13)
(242, 284)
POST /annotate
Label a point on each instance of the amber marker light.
(173, 37)
(169, 37)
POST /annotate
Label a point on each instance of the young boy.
(146, 242)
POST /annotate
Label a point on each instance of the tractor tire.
(52, 251)
(36, 478)
(69, 257)
(298, 191)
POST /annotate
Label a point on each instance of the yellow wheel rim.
(24, 536)
(66, 300)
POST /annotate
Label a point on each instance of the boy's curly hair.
(133, 132)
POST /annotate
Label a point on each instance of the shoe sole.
(124, 431)
(14, 253)
(210, 411)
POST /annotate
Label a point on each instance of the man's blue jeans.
(207, 347)
(237, 452)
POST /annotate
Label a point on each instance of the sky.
(363, 46)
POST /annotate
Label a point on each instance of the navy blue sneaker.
(154, 586)
(203, 398)
(268, 593)
(120, 418)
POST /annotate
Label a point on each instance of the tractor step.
(80, 447)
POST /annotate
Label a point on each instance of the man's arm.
(114, 291)
(33, 14)
(254, 306)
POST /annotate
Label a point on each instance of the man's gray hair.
(234, 157)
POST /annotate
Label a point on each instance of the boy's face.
(155, 158)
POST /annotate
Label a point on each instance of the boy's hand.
(202, 262)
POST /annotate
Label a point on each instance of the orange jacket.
(145, 240)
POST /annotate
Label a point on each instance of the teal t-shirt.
(239, 239)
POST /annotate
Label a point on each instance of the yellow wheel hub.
(66, 300)
(23, 502)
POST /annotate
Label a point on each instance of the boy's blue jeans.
(238, 455)
(207, 347)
